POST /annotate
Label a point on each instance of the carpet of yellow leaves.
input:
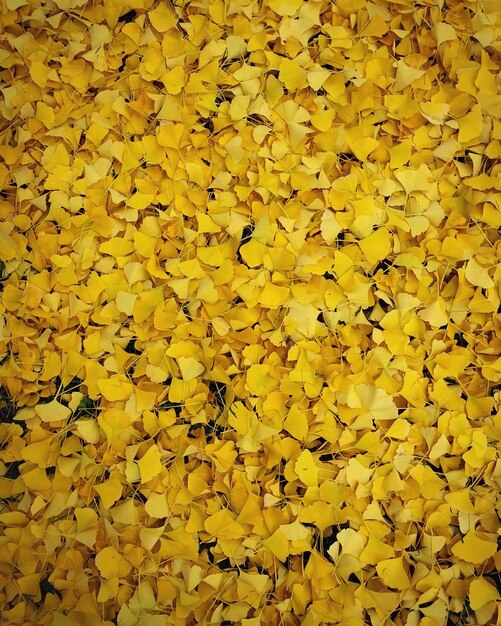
(249, 312)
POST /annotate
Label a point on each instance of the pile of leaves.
(249, 312)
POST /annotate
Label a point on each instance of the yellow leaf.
(113, 422)
(317, 77)
(330, 227)
(125, 302)
(435, 314)
(162, 18)
(478, 275)
(444, 32)
(150, 464)
(306, 468)
(111, 564)
(253, 253)
(399, 429)
(109, 491)
(376, 551)
(13, 5)
(156, 505)
(351, 541)
(481, 592)
(175, 79)
(190, 367)
(296, 423)
(435, 112)
(278, 545)
(52, 411)
(470, 125)
(140, 201)
(285, 7)
(116, 388)
(87, 526)
(239, 107)
(39, 73)
(292, 75)
(393, 574)
(414, 180)
(223, 525)
(273, 296)
(473, 549)
(88, 430)
(29, 585)
(376, 246)
(116, 247)
(294, 531)
(46, 115)
(400, 154)
(363, 147)
(405, 76)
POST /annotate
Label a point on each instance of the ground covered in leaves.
(249, 333)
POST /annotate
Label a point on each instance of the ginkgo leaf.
(89, 431)
(223, 524)
(109, 491)
(376, 551)
(248, 299)
(444, 32)
(296, 423)
(376, 246)
(292, 74)
(375, 401)
(307, 469)
(478, 275)
(157, 506)
(330, 227)
(150, 464)
(285, 7)
(393, 573)
(273, 296)
(53, 411)
(481, 592)
(190, 367)
(473, 549)
(278, 545)
(406, 75)
(470, 125)
(111, 563)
